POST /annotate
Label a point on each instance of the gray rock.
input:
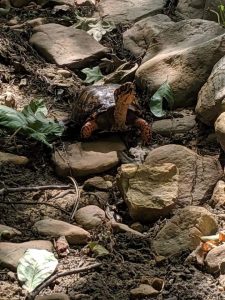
(220, 130)
(10, 253)
(176, 54)
(138, 38)
(120, 11)
(90, 216)
(197, 174)
(66, 46)
(12, 158)
(150, 192)
(211, 98)
(192, 9)
(215, 260)
(182, 232)
(7, 232)
(88, 158)
(73, 234)
(168, 127)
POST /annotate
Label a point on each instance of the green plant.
(31, 122)
(220, 14)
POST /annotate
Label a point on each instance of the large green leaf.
(31, 121)
(92, 75)
(34, 267)
(164, 93)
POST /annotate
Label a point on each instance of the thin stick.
(56, 276)
(77, 197)
(6, 190)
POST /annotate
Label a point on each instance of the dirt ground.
(131, 260)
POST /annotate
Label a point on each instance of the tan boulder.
(197, 174)
(149, 191)
(220, 130)
(182, 232)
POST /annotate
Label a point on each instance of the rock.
(120, 227)
(137, 227)
(218, 197)
(167, 127)
(120, 11)
(55, 296)
(220, 130)
(192, 9)
(12, 158)
(150, 192)
(66, 46)
(100, 199)
(182, 232)
(144, 290)
(87, 158)
(215, 260)
(138, 38)
(19, 3)
(64, 73)
(175, 55)
(84, 3)
(197, 174)
(7, 232)
(90, 216)
(36, 22)
(96, 183)
(211, 97)
(10, 253)
(73, 234)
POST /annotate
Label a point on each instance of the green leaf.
(92, 75)
(98, 250)
(164, 93)
(31, 122)
(34, 267)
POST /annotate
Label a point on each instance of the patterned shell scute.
(93, 99)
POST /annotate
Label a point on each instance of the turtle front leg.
(145, 128)
(88, 128)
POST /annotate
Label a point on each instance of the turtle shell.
(94, 100)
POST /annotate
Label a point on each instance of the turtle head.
(124, 96)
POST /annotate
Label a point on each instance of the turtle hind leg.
(124, 96)
(88, 128)
(145, 128)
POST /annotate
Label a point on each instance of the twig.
(38, 203)
(6, 190)
(77, 197)
(56, 276)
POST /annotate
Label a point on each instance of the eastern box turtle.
(109, 107)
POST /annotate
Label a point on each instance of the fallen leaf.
(34, 267)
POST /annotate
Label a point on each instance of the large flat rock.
(183, 54)
(88, 158)
(122, 11)
(66, 46)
